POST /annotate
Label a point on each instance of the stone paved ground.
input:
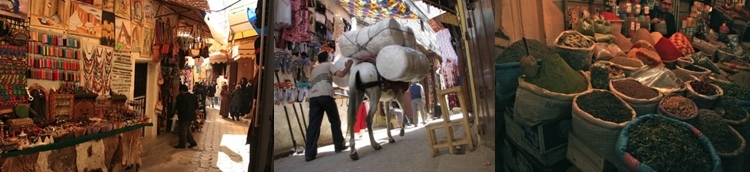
(409, 153)
(221, 147)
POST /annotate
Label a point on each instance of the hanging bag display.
(155, 47)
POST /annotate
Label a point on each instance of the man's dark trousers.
(185, 134)
(319, 105)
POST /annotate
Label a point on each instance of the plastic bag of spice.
(535, 105)
(576, 49)
(703, 93)
(641, 98)
(660, 132)
(661, 79)
(603, 52)
(678, 107)
(598, 117)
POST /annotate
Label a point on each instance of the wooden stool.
(448, 124)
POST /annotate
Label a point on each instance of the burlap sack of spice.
(703, 101)
(535, 105)
(734, 161)
(681, 69)
(632, 164)
(599, 135)
(641, 106)
(645, 52)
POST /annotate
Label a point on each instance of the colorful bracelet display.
(54, 58)
(13, 75)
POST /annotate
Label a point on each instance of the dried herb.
(600, 76)
(634, 89)
(694, 68)
(517, 50)
(728, 108)
(735, 90)
(667, 146)
(718, 131)
(605, 106)
(555, 75)
(704, 88)
(627, 62)
(742, 78)
(574, 40)
(679, 106)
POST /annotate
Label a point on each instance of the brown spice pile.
(627, 62)
(703, 88)
(634, 89)
(679, 106)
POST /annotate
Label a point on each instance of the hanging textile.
(377, 9)
(298, 31)
(283, 14)
(445, 45)
(450, 78)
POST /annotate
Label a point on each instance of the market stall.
(618, 96)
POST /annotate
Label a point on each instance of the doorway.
(139, 86)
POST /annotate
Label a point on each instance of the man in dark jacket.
(663, 16)
(187, 104)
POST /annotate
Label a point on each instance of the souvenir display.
(53, 57)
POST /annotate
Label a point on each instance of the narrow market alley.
(408, 153)
(221, 147)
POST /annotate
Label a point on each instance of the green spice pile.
(730, 109)
(555, 75)
(634, 89)
(694, 68)
(600, 76)
(574, 40)
(605, 106)
(704, 88)
(679, 106)
(735, 90)
(627, 62)
(742, 78)
(719, 132)
(667, 146)
(517, 50)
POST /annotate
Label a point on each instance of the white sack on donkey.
(397, 63)
(367, 42)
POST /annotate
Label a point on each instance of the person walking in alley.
(236, 102)
(187, 104)
(321, 100)
(211, 94)
(417, 103)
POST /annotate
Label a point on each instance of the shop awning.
(217, 57)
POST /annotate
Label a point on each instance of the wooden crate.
(546, 142)
(586, 159)
(516, 160)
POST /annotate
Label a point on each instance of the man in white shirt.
(321, 100)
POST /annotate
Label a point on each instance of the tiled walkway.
(409, 153)
(221, 148)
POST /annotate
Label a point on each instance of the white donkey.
(365, 80)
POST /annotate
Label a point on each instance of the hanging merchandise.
(283, 62)
(298, 31)
(283, 14)
(377, 9)
(13, 75)
(54, 57)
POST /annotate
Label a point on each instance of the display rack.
(61, 105)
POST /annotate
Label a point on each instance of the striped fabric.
(377, 9)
